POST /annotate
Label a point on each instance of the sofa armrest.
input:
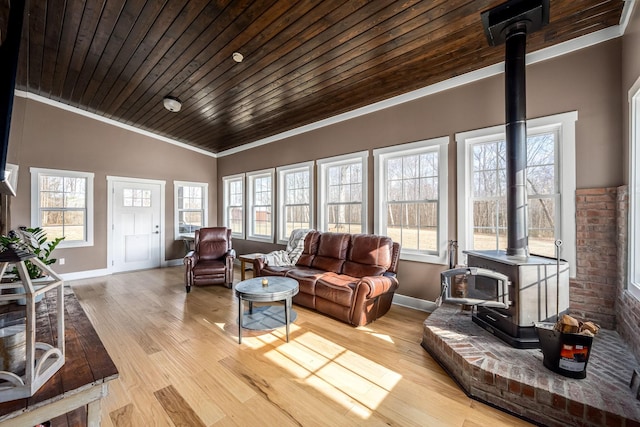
(379, 285)
(190, 259)
(229, 257)
(258, 265)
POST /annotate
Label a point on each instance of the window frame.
(250, 226)
(381, 156)
(89, 205)
(177, 210)
(323, 165)
(282, 173)
(226, 181)
(564, 126)
(633, 239)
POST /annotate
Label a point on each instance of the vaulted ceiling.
(303, 60)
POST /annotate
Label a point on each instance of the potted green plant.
(35, 241)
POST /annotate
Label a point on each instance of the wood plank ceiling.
(304, 60)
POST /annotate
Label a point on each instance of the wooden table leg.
(242, 269)
(93, 414)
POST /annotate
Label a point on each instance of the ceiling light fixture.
(172, 104)
(237, 56)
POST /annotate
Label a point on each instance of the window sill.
(427, 259)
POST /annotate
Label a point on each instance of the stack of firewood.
(570, 325)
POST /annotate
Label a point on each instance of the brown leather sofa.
(351, 277)
(211, 260)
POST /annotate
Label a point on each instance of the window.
(343, 193)
(191, 207)
(295, 187)
(634, 192)
(411, 204)
(62, 205)
(260, 212)
(482, 216)
(136, 197)
(233, 200)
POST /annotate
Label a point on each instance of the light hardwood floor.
(180, 363)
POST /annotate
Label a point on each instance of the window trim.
(345, 159)
(633, 243)
(226, 180)
(251, 176)
(35, 202)
(176, 211)
(282, 172)
(564, 125)
(380, 217)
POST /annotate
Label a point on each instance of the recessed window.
(411, 204)
(191, 207)
(62, 205)
(295, 192)
(260, 201)
(550, 179)
(233, 214)
(342, 193)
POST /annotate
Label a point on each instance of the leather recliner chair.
(211, 261)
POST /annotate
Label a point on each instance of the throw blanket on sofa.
(290, 256)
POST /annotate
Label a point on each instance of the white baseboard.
(88, 274)
(415, 303)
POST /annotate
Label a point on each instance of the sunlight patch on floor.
(357, 383)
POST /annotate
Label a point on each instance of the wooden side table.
(81, 382)
(244, 259)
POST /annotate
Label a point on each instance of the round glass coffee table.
(265, 317)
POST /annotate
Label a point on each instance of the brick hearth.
(516, 380)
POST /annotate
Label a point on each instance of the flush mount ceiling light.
(172, 104)
(237, 56)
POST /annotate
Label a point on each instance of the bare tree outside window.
(190, 208)
(489, 194)
(261, 209)
(296, 199)
(412, 200)
(344, 198)
(235, 209)
(63, 206)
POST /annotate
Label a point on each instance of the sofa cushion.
(369, 255)
(310, 248)
(205, 268)
(337, 288)
(306, 277)
(332, 252)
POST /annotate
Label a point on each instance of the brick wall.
(627, 306)
(594, 289)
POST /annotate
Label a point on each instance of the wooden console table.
(76, 389)
(244, 259)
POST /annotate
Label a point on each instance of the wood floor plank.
(177, 407)
(180, 362)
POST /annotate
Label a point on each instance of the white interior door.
(136, 233)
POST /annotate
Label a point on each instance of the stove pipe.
(516, 139)
(509, 23)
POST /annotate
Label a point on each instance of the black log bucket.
(565, 354)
